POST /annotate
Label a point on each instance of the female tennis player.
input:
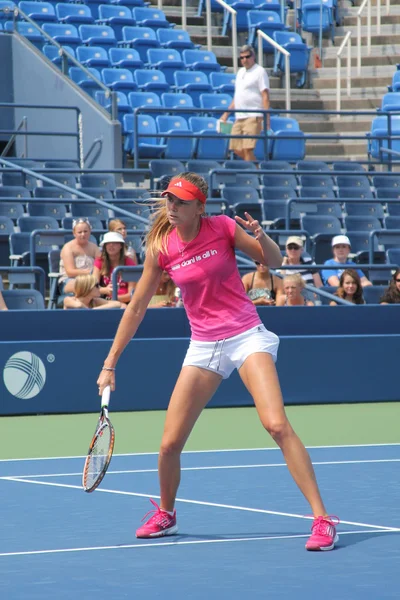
(199, 254)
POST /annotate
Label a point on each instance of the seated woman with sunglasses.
(87, 295)
(392, 293)
(77, 256)
(262, 287)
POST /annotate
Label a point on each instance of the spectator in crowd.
(341, 249)
(112, 256)
(251, 92)
(295, 256)
(392, 294)
(3, 305)
(77, 256)
(350, 288)
(119, 226)
(87, 295)
(262, 287)
(293, 285)
(165, 294)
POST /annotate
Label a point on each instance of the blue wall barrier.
(44, 375)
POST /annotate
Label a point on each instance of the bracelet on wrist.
(108, 369)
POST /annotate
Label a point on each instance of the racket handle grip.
(105, 398)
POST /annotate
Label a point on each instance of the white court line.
(203, 451)
(178, 543)
(199, 502)
(211, 468)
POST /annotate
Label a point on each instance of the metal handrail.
(378, 233)
(24, 269)
(359, 13)
(233, 12)
(65, 57)
(286, 54)
(23, 124)
(346, 41)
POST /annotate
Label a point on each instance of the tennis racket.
(100, 449)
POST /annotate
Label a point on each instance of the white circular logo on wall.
(24, 375)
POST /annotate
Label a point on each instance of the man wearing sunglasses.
(251, 92)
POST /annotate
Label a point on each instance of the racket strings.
(99, 456)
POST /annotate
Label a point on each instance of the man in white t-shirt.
(251, 92)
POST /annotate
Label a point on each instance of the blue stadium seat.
(151, 80)
(348, 166)
(362, 194)
(131, 193)
(234, 195)
(64, 178)
(242, 179)
(162, 168)
(63, 34)
(365, 209)
(74, 14)
(27, 30)
(321, 224)
(166, 60)
(241, 7)
(179, 147)
(145, 100)
(284, 145)
(393, 256)
(317, 192)
(215, 101)
(51, 192)
(175, 38)
(333, 209)
(276, 165)
(215, 7)
(193, 83)
(87, 209)
(40, 12)
(148, 146)
(238, 164)
(126, 58)
(355, 180)
(93, 56)
(151, 17)
(106, 181)
(387, 182)
(51, 52)
(390, 101)
(309, 16)
(12, 210)
(276, 211)
(116, 17)
(362, 223)
(201, 60)
(7, 225)
(12, 179)
(254, 208)
(223, 83)
(47, 209)
(119, 80)
(95, 223)
(280, 180)
(28, 224)
(273, 5)
(395, 87)
(392, 222)
(98, 35)
(393, 208)
(208, 148)
(312, 165)
(99, 193)
(23, 299)
(299, 55)
(130, 3)
(6, 9)
(321, 181)
(273, 194)
(373, 293)
(84, 81)
(266, 21)
(178, 100)
(106, 102)
(376, 147)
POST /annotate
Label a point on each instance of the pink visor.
(184, 190)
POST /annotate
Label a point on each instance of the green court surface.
(217, 428)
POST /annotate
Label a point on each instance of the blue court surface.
(242, 529)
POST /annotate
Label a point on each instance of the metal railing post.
(184, 15)
(208, 21)
(359, 13)
(263, 36)
(378, 17)
(233, 12)
(347, 40)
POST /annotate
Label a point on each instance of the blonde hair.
(156, 239)
(84, 284)
(115, 223)
(295, 278)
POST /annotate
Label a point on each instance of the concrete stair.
(367, 89)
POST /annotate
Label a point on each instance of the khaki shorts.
(250, 126)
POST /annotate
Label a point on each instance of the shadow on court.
(353, 540)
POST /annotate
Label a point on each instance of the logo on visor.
(178, 184)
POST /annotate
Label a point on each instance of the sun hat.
(294, 239)
(112, 236)
(340, 239)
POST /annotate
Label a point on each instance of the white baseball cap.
(112, 236)
(340, 239)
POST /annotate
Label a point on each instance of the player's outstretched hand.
(106, 378)
(251, 224)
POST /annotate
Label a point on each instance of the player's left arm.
(261, 247)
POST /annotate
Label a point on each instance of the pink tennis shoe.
(159, 524)
(323, 536)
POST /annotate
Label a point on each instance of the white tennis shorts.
(223, 356)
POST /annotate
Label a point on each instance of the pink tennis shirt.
(206, 272)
